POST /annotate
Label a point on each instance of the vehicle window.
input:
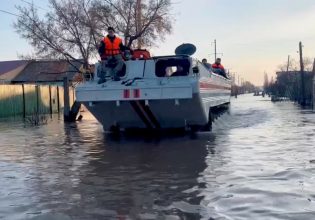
(172, 67)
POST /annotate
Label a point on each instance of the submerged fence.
(26, 99)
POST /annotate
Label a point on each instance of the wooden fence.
(26, 99)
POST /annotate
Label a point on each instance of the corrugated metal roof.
(46, 71)
(7, 66)
(10, 69)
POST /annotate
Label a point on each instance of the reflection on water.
(254, 165)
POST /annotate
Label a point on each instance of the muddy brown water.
(255, 164)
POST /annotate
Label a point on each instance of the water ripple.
(256, 164)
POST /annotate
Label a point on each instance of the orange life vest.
(112, 47)
(217, 66)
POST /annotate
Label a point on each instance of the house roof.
(10, 69)
(46, 71)
(34, 71)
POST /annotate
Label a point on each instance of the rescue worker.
(110, 51)
(206, 64)
(217, 67)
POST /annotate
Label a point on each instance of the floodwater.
(258, 163)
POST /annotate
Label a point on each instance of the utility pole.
(243, 89)
(139, 21)
(302, 101)
(288, 65)
(215, 50)
(313, 86)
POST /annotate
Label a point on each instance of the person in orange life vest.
(217, 67)
(110, 51)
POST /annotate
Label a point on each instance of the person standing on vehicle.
(110, 51)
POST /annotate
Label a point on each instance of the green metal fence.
(23, 100)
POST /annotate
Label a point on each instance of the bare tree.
(266, 82)
(294, 65)
(272, 81)
(143, 22)
(71, 29)
(66, 32)
(308, 64)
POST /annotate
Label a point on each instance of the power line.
(32, 4)
(10, 13)
(16, 15)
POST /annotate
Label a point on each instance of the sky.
(253, 36)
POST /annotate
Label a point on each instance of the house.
(11, 69)
(28, 86)
(47, 72)
(38, 71)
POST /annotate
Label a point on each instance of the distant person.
(218, 68)
(110, 51)
(206, 64)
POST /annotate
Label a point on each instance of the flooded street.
(256, 164)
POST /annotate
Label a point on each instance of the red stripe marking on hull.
(204, 85)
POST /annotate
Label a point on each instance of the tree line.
(294, 65)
